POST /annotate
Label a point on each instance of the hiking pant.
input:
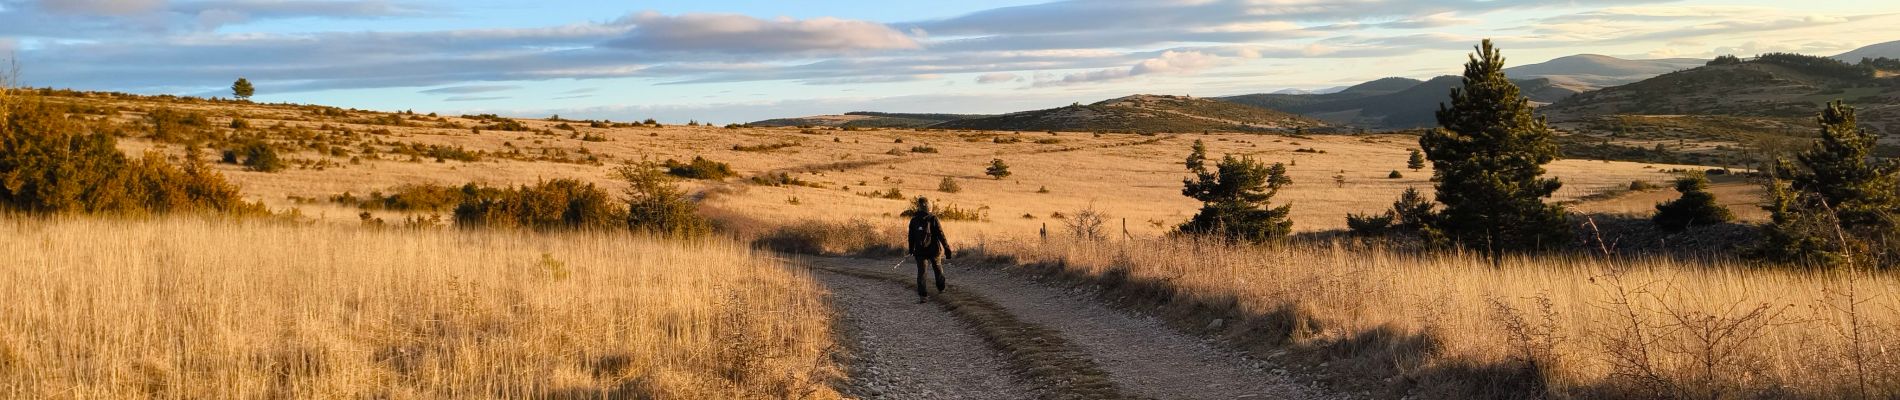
(935, 265)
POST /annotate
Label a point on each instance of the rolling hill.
(1143, 114)
(1731, 113)
(1594, 71)
(867, 119)
(1888, 50)
(1400, 103)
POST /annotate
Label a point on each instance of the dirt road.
(1139, 356)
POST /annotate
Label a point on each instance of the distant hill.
(1143, 114)
(1592, 71)
(1286, 101)
(1888, 50)
(869, 119)
(1390, 103)
(1401, 103)
(1741, 112)
(1771, 86)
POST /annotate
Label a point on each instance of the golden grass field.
(1595, 328)
(188, 308)
(202, 309)
(1130, 177)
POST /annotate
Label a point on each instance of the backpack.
(923, 232)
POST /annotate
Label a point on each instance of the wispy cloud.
(732, 33)
(470, 89)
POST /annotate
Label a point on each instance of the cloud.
(997, 77)
(872, 79)
(476, 98)
(470, 89)
(732, 33)
(1168, 63)
(102, 7)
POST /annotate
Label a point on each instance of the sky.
(743, 60)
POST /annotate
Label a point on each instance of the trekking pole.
(900, 262)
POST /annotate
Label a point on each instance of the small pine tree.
(1416, 161)
(1235, 198)
(1696, 206)
(1197, 157)
(998, 169)
(1412, 212)
(1488, 156)
(243, 89)
(1395, 175)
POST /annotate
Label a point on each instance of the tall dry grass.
(183, 308)
(1451, 326)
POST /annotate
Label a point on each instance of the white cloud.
(1168, 63)
(732, 33)
(997, 77)
(102, 7)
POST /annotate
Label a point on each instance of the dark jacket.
(926, 236)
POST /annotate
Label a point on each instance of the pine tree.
(1696, 206)
(997, 169)
(1234, 199)
(1416, 162)
(1839, 174)
(1197, 158)
(1487, 157)
(242, 89)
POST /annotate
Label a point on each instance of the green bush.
(656, 205)
(699, 168)
(548, 205)
(255, 155)
(51, 163)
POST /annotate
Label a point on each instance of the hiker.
(927, 243)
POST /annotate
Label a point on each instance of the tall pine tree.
(1839, 174)
(1488, 155)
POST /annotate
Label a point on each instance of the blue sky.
(742, 60)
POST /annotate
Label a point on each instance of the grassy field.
(1449, 326)
(1131, 177)
(197, 309)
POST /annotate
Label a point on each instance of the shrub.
(548, 205)
(1696, 206)
(1088, 224)
(255, 155)
(951, 213)
(765, 147)
(1369, 224)
(1394, 175)
(656, 204)
(50, 164)
(998, 169)
(949, 185)
(857, 237)
(1641, 185)
(415, 197)
(699, 168)
(923, 149)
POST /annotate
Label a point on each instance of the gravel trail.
(1143, 356)
(905, 350)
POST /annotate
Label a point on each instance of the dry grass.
(1449, 326)
(1137, 178)
(183, 308)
